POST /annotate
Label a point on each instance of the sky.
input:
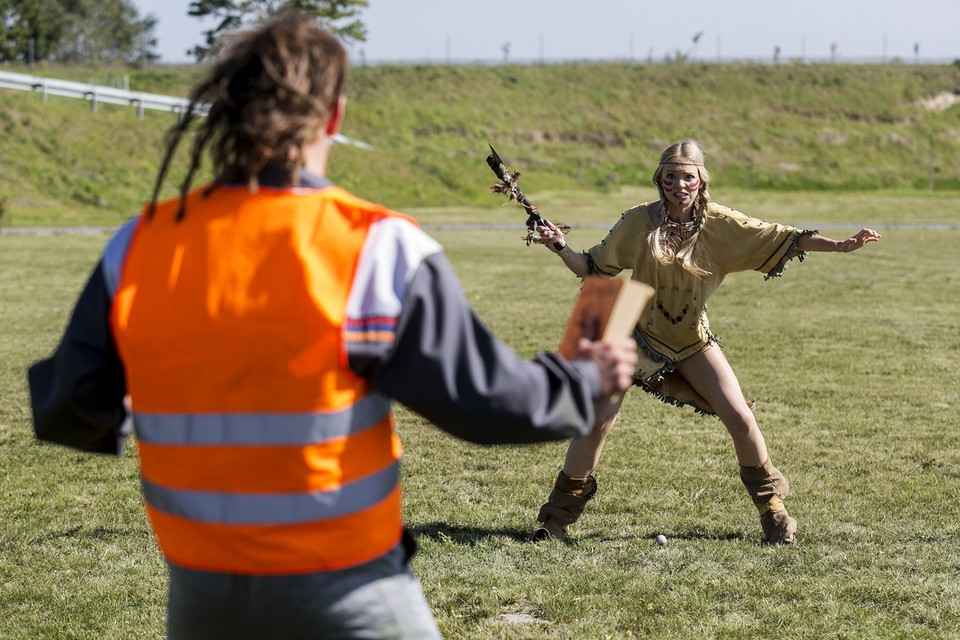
(464, 31)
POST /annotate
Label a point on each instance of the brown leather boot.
(778, 526)
(767, 488)
(567, 501)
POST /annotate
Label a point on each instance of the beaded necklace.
(672, 234)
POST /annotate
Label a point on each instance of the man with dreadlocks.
(683, 245)
(258, 328)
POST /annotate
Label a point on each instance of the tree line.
(110, 31)
(70, 31)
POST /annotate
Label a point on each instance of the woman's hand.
(816, 242)
(551, 236)
(855, 242)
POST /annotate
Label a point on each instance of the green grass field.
(854, 361)
(593, 127)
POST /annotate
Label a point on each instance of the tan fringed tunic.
(674, 326)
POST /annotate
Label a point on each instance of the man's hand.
(615, 359)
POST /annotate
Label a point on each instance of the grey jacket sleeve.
(446, 365)
(77, 394)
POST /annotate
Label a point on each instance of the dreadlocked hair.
(687, 251)
(271, 89)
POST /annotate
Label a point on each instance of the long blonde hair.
(687, 252)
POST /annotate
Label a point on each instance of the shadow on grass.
(86, 533)
(692, 534)
(470, 536)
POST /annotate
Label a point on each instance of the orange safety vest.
(261, 452)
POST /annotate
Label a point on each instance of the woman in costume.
(684, 245)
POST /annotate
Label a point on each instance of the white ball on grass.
(661, 539)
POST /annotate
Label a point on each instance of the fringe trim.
(792, 253)
(662, 397)
(669, 366)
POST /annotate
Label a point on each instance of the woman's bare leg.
(574, 486)
(712, 376)
(584, 452)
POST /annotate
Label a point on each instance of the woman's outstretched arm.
(816, 242)
(551, 236)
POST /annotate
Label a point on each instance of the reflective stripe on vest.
(255, 428)
(260, 451)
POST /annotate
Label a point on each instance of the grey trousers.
(378, 600)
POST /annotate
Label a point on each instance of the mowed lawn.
(854, 361)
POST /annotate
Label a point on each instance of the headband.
(681, 160)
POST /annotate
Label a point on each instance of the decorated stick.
(508, 186)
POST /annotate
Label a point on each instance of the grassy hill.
(595, 127)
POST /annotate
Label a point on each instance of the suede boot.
(767, 488)
(566, 502)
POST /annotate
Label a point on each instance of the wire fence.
(358, 58)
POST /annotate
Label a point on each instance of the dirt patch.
(940, 102)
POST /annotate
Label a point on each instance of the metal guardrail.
(96, 94)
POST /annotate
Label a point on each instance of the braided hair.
(269, 92)
(672, 243)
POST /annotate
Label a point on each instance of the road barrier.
(96, 94)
